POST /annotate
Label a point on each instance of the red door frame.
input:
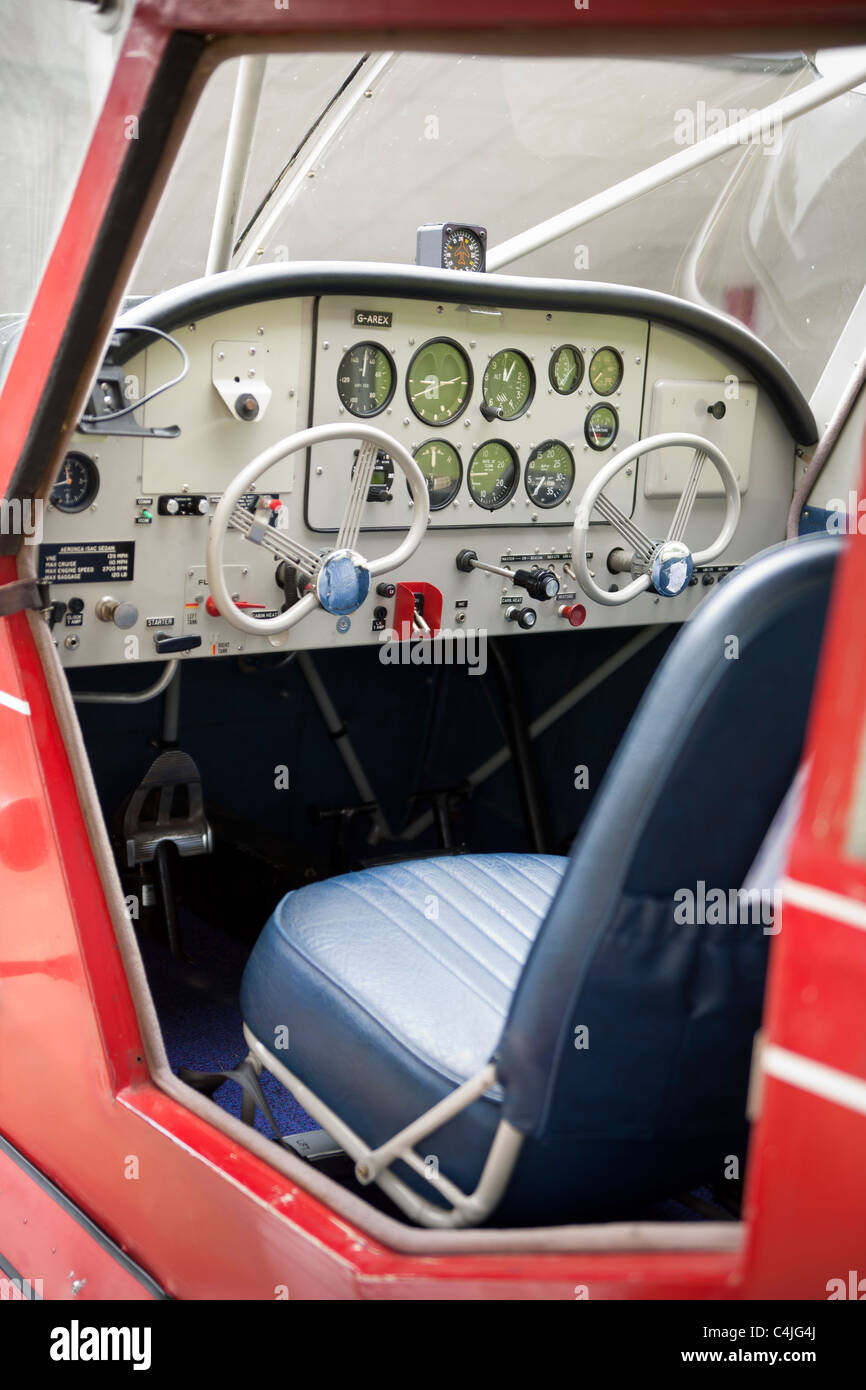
(202, 1216)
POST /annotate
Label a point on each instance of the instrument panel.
(508, 408)
(507, 413)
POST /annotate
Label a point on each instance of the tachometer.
(549, 473)
(439, 381)
(493, 473)
(366, 379)
(77, 484)
(601, 426)
(566, 369)
(605, 371)
(440, 463)
(509, 384)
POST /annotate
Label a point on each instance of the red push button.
(574, 613)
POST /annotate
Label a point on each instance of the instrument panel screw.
(440, 308)
(325, 346)
(637, 361)
(628, 472)
(260, 332)
(406, 421)
(220, 356)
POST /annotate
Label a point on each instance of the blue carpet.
(198, 1009)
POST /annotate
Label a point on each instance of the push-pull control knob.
(122, 613)
(539, 584)
(574, 613)
(524, 617)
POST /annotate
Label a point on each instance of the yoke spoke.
(687, 498)
(363, 475)
(636, 538)
(277, 542)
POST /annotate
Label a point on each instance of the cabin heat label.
(98, 562)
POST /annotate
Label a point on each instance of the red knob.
(574, 613)
(212, 609)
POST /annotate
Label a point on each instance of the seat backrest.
(617, 965)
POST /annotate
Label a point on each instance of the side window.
(56, 61)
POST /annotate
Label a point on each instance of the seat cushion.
(394, 983)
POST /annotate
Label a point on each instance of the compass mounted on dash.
(452, 246)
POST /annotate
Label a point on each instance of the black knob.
(380, 613)
(524, 617)
(247, 406)
(386, 590)
(539, 584)
(492, 412)
(465, 560)
(165, 643)
(718, 410)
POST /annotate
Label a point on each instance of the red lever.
(574, 613)
(211, 607)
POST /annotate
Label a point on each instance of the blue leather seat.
(621, 1035)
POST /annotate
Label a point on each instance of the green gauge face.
(566, 369)
(549, 473)
(366, 379)
(440, 463)
(493, 474)
(439, 381)
(77, 484)
(605, 371)
(509, 383)
(601, 427)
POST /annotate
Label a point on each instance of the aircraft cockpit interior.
(436, 576)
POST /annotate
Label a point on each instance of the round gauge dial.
(366, 379)
(77, 484)
(601, 427)
(605, 371)
(549, 473)
(566, 369)
(509, 384)
(493, 473)
(462, 249)
(439, 381)
(440, 463)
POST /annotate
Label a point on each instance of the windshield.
(352, 153)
